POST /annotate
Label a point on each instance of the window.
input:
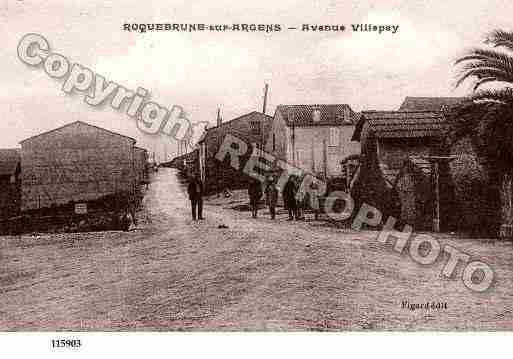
(274, 142)
(334, 136)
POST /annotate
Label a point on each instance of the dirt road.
(258, 274)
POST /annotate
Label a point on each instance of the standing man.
(255, 194)
(195, 191)
(271, 196)
(313, 199)
(289, 198)
(300, 199)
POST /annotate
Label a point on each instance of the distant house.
(429, 103)
(315, 138)
(252, 128)
(390, 141)
(10, 181)
(75, 162)
(188, 163)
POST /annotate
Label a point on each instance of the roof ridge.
(238, 118)
(72, 123)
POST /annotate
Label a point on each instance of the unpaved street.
(257, 274)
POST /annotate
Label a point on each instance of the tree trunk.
(506, 193)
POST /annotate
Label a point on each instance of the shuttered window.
(334, 136)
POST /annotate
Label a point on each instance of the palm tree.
(487, 116)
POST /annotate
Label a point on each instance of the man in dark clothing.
(271, 195)
(255, 194)
(195, 191)
(289, 198)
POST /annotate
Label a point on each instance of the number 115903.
(66, 343)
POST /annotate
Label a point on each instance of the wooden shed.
(75, 162)
(10, 180)
(388, 138)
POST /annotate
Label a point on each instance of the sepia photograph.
(307, 169)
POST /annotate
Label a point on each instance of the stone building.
(315, 138)
(252, 128)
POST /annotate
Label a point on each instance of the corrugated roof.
(400, 124)
(330, 115)
(74, 124)
(411, 103)
(9, 161)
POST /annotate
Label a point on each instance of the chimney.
(219, 119)
(316, 115)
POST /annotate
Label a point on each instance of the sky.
(206, 70)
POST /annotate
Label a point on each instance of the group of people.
(295, 199)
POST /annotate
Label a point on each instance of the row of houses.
(74, 163)
(399, 161)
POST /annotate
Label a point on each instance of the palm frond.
(482, 81)
(502, 95)
(500, 38)
(485, 54)
(487, 115)
(480, 73)
(488, 64)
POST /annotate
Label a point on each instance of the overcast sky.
(201, 71)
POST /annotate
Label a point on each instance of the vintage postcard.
(291, 166)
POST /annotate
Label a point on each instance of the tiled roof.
(9, 160)
(428, 103)
(330, 115)
(400, 124)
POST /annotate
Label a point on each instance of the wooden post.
(293, 144)
(266, 89)
(324, 159)
(348, 174)
(506, 193)
(436, 178)
(313, 155)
